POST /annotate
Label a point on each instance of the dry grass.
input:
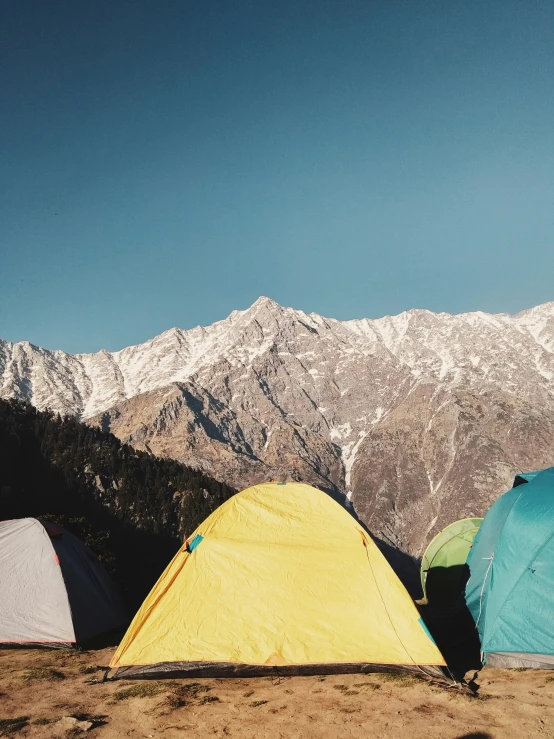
(140, 690)
(465, 696)
(89, 669)
(42, 673)
(11, 725)
(191, 693)
(400, 678)
(367, 685)
(256, 704)
(94, 717)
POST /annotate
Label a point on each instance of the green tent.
(444, 563)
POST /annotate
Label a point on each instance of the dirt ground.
(40, 687)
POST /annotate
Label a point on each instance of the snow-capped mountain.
(420, 417)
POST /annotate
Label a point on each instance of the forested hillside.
(131, 508)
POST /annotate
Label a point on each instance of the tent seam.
(385, 607)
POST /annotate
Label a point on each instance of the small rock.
(70, 722)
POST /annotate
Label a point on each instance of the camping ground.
(40, 690)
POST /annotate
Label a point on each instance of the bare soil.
(39, 687)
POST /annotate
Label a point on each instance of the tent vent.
(195, 542)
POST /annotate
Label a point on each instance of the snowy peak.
(263, 302)
(516, 352)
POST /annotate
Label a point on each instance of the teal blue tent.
(510, 591)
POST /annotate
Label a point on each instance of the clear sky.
(164, 162)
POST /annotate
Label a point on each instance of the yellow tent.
(280, 576)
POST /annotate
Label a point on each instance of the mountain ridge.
(274, 392)
(382, 330)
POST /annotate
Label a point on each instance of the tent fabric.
(444, 562)
(521, 660)
(278, 576)
(54, 590)
(95, 604)
(510, 592)
(34, 606)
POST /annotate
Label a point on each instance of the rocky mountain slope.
(419, 418)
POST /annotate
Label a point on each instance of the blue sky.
(163, 163)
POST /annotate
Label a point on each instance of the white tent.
(54, 591)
